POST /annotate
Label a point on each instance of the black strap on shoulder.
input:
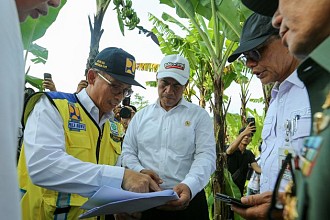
(286, 164)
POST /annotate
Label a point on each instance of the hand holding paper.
(184, 195)
(108, 200)
(138, 182)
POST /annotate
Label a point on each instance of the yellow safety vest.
(85, 141)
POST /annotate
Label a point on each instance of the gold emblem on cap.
(100, 63)
(187, 123)
(130, 66)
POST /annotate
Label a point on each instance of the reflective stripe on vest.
(62, 206)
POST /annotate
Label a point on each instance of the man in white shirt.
(173, 141)
(304, 28)
(288, 119)
(12, 91)
(68, 152)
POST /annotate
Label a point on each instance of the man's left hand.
(184, 194)
(260, 204)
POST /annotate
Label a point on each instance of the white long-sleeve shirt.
(289, 100)
(178, 145)
(11, 99)
(48, 163)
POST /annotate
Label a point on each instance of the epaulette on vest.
(33, 99)
(61, 95)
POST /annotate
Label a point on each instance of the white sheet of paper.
(109, 200)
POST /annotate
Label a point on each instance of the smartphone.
(230, 200)
(47, 76)
(250, 119)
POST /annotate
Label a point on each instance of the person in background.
(12, 90)
(68, 153)
(287, 120)
(49, 84)
(253, 186)
(173, 141)
(126, 114)
(81, 85)
(239, 159)
(307, 39)
(116, 112)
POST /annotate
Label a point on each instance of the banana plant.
(126, 17)
(193, 48)
(32, 30)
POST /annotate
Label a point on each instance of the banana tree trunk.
(96, 34)
(220, 209)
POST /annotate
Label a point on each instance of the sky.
(68, 40)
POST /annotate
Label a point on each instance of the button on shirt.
(48, 163)
(289, 99)
(178, 145)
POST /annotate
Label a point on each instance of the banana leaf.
(34, 81)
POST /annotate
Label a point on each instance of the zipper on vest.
(99, 144)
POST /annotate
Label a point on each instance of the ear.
(91, 76)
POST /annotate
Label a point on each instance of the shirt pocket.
(182, 141)
(302, 125)
(266, 130)
(303, 129)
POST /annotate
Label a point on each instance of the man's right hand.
(153, 175)
(250, 129)
(49, 84)
(260, 205)
(139, 182)
(82, 84)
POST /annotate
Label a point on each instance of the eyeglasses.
(127, 92)
(253, 55)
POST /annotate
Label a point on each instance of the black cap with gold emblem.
(118, 64)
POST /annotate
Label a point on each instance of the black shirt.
(239, 160)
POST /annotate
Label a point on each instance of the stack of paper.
(108, 200)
